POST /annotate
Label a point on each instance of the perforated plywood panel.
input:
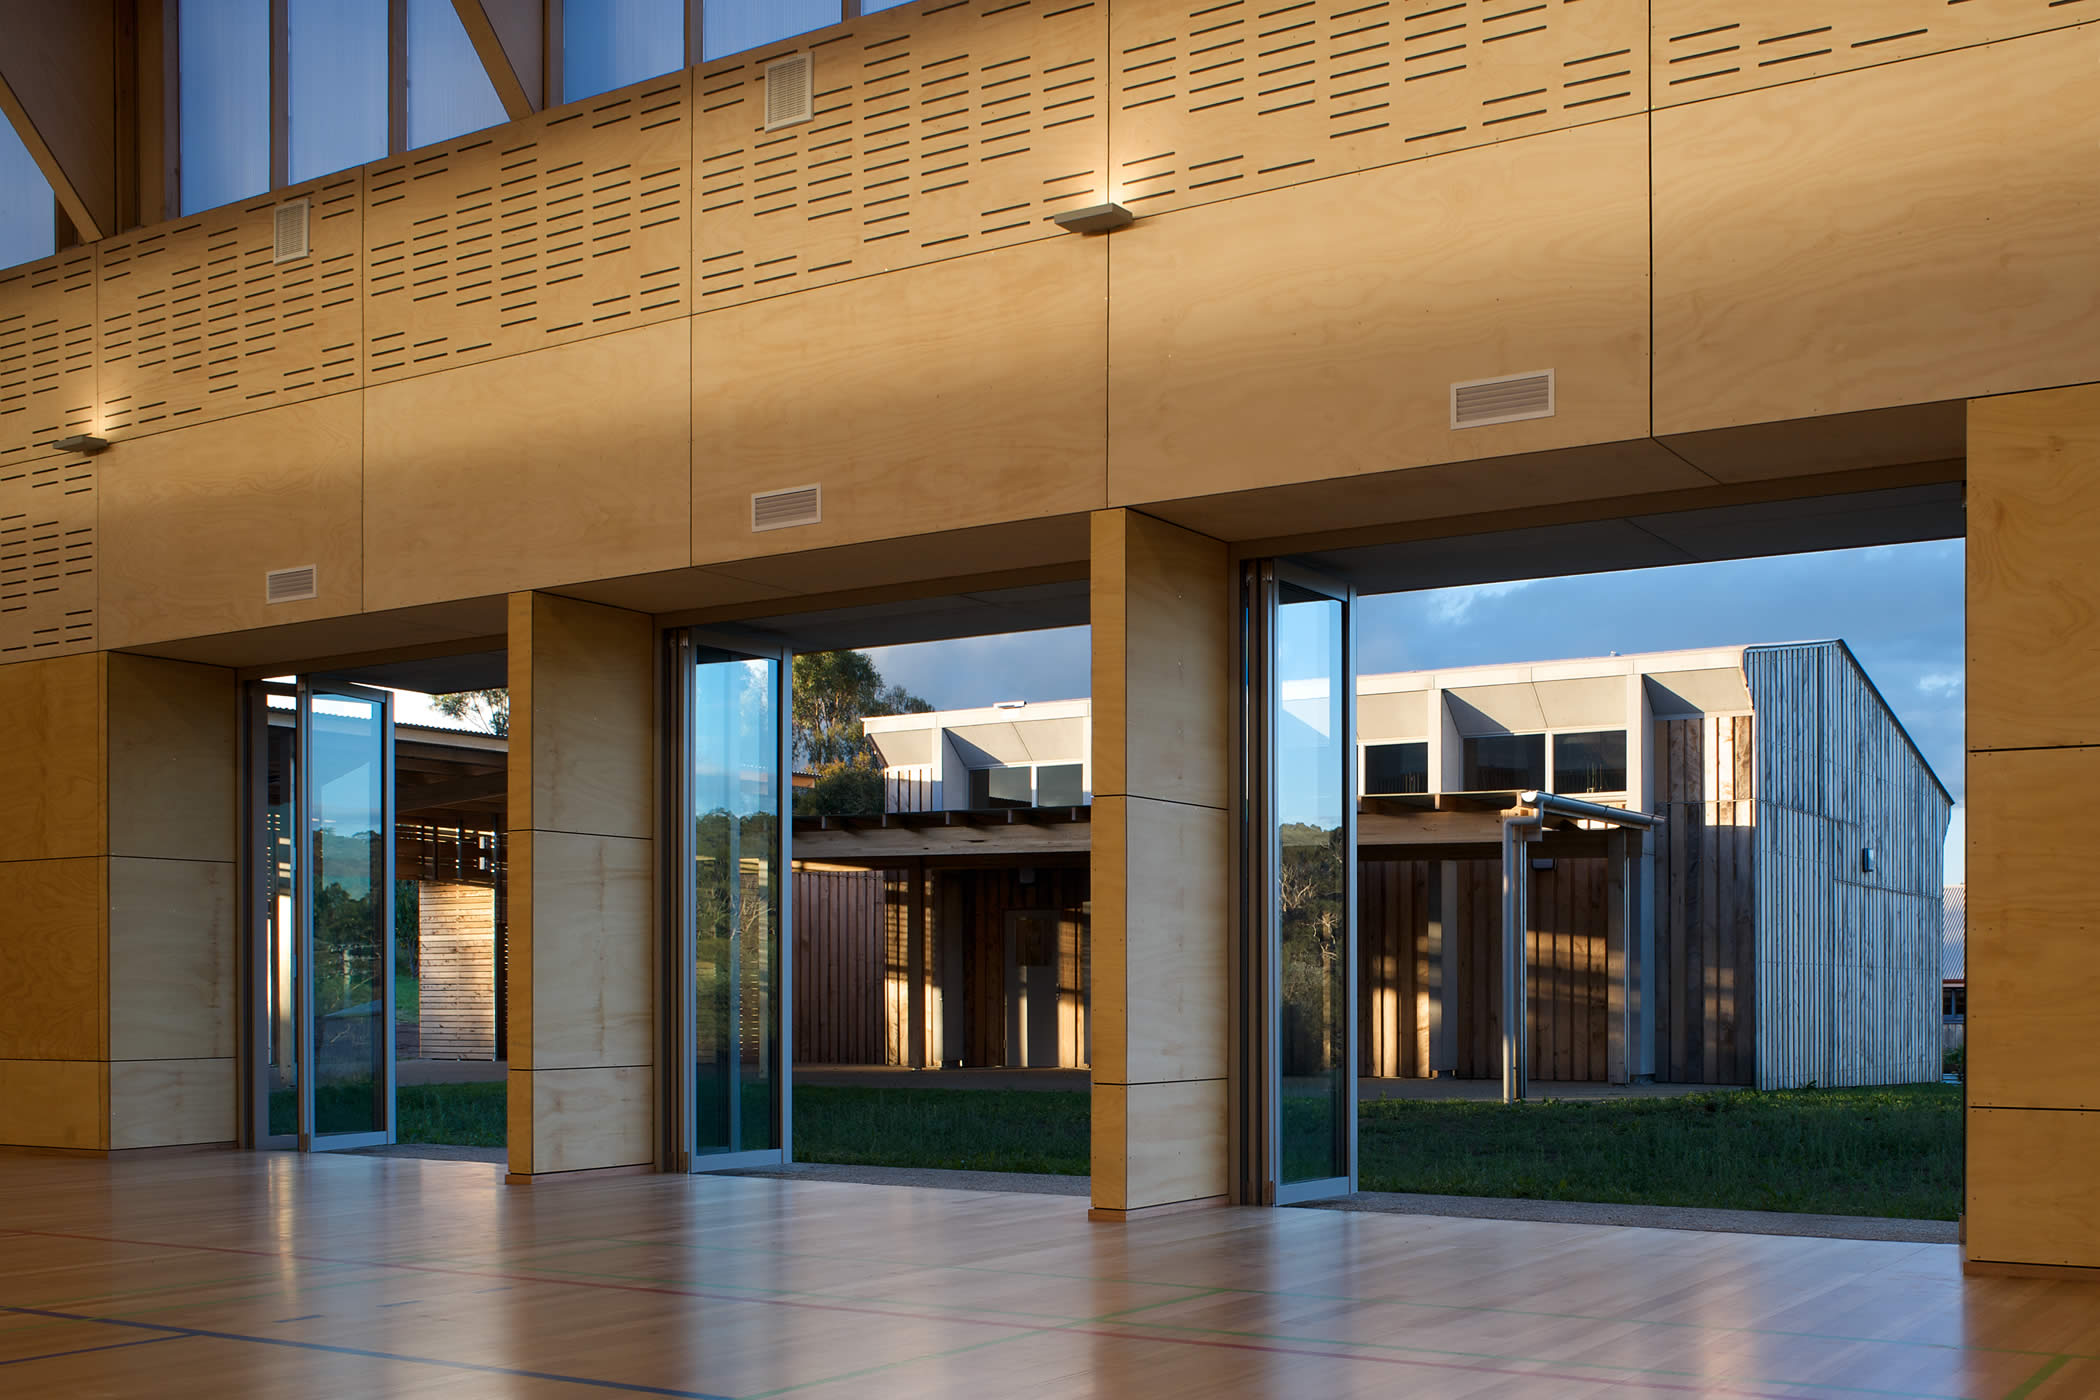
(47, 558)
(939, 130)
(47, 354)
(198, 322)
(566, 225)
(1217, 99)
(1704, 48)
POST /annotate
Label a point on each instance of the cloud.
(1451, 606)
(1942, 683)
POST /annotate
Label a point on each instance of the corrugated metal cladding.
(1848, 961)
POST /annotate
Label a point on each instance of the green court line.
(2034, 1382)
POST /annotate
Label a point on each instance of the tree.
(487, 709)
(834, 692)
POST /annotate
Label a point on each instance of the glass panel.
(280, 976)
(870, 7)
(1312, 757)
(1060, 785)
(731, 26)
(1393, 769)
(1001, 787)
(347, 840)
(1505, 763)
(28, 213)
(1593, 762)
(611, 43)
(336, 86)
(225, 101)
(736, 902)
(449, 92)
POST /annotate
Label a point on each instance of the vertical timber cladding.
(199, 323)
(939, 130)
(569, 224)
(1848, 960)
(1708, 48)
(1217, 99)
(1708, 993)
(47, 503)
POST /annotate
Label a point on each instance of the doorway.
(319, 836)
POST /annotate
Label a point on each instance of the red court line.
(1794, 1392)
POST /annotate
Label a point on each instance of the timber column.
(1163, 606)
(582, 1032)
(2034, 768)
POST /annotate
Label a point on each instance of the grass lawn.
(1887, 1152)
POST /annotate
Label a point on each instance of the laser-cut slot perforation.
(47, 559)
(1709, 48)
(199, 321)
(47, 353)
(938, 131)
(1330, 86)
(532, 234)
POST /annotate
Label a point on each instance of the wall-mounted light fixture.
(1866, 860)
(86, 444)
(1095, 218)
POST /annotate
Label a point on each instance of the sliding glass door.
(321, 916)
(1297, 1101)
(729, 1094)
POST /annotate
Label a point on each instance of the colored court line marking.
(2034, 1382)
(479, 1368)
(83, 1351)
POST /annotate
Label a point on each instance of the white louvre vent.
(777, 510)
(791, 91)
(1510, 399)
(292, 243)
(291, 585)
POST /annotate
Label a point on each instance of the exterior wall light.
(1866, 860)
(1095, 218)
(85, 444)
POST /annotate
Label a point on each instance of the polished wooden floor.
(236, 1274)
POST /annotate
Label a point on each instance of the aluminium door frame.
(303, 904)
(680, 932)
(1258, 1103)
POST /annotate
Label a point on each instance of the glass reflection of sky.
(225, 101)
(736, 732)
(611, 43)
(27, 231)
(449, 92)
(731, 26)
(336, 89)
(1309, 746)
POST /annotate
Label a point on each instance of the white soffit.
(1392, 717)
(1720, 690)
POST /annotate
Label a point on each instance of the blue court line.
(83, 1351)
(175, 1332)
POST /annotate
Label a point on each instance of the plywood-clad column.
(1162, 754)
(54, 1032)
(582, 1029)
(174, 908)
(2034, 769)
(118, 925)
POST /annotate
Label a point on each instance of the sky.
(1898, 606)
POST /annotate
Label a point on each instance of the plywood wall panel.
(567, 225)
(197, 517)
(1316, 332)
(48, 556)
(939, 130)
(197, 322)
(174, 936)
(55, 1103)
(173, 764)
(2034, 642)
(2029, 1188)
(956, 395)
(171, 1103)
(51, 765)
(1709, 48)
(566, 465)
(54, 955)
(1215, 98)
(47, 354)
(593, 979)
(1905, 234)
